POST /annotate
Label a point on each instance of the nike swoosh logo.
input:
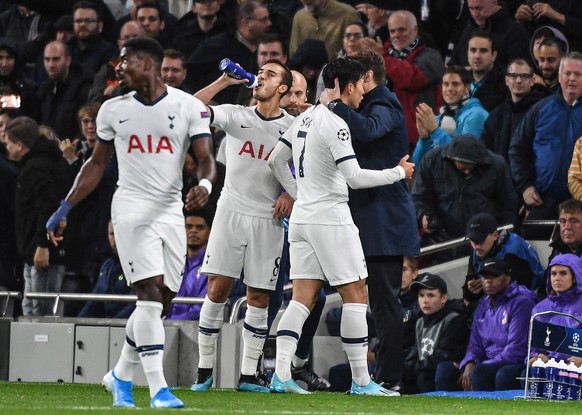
(122, 121)
(244, 126)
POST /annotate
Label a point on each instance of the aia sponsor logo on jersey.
(255, 152)
(149, 144)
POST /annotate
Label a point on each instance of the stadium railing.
(7, 295)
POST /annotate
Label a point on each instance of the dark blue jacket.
(111, 281)
(542, 145)
(384, 215)
(526, 268)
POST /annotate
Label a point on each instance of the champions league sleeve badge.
(343, 134)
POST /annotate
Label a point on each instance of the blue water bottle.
(233, 70)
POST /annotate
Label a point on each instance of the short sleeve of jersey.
(222, 114)
(200, 121)
(105, 129)
(339, 139)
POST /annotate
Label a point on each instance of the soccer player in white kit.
(248, 229)
(151, 129)
(324, 242)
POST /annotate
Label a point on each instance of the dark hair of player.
(146, 45)
(347, 71)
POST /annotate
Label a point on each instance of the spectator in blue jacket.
(461, 114)
(542, 145)
(194, 283)
(498, 343)
(564, 289)
(487, 243)
(111, 281)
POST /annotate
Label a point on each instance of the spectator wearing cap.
(441, 334)
(309, 59)
(498, 342)
(459, 180)
(487, 242)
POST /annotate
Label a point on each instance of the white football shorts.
(238, 241)
(150, 249)
(326, 252)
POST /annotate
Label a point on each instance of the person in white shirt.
(248, 229)
(151, 129)
(324, 242)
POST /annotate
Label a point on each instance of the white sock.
(298, 362)
(129, 358)
(288, 333)
(254, 334)
(150, 338)
(211, 318)
(354, 333)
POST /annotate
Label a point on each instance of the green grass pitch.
(65, 398)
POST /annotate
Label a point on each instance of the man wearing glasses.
(541, 147)
(505, 118)
(87, 46)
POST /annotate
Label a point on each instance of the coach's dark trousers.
(384, 281)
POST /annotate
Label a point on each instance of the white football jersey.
(320, 141)
(151, 141)
(250, 188)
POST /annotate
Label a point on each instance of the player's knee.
(219, 288)
(258, 298)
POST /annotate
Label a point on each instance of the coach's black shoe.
(252, 383)
(313, 381)
(203, 380)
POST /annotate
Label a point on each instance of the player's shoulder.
(118, 100)
(116, 106)
(324, 118)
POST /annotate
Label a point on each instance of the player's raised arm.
(209, 91)
(86, 181)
